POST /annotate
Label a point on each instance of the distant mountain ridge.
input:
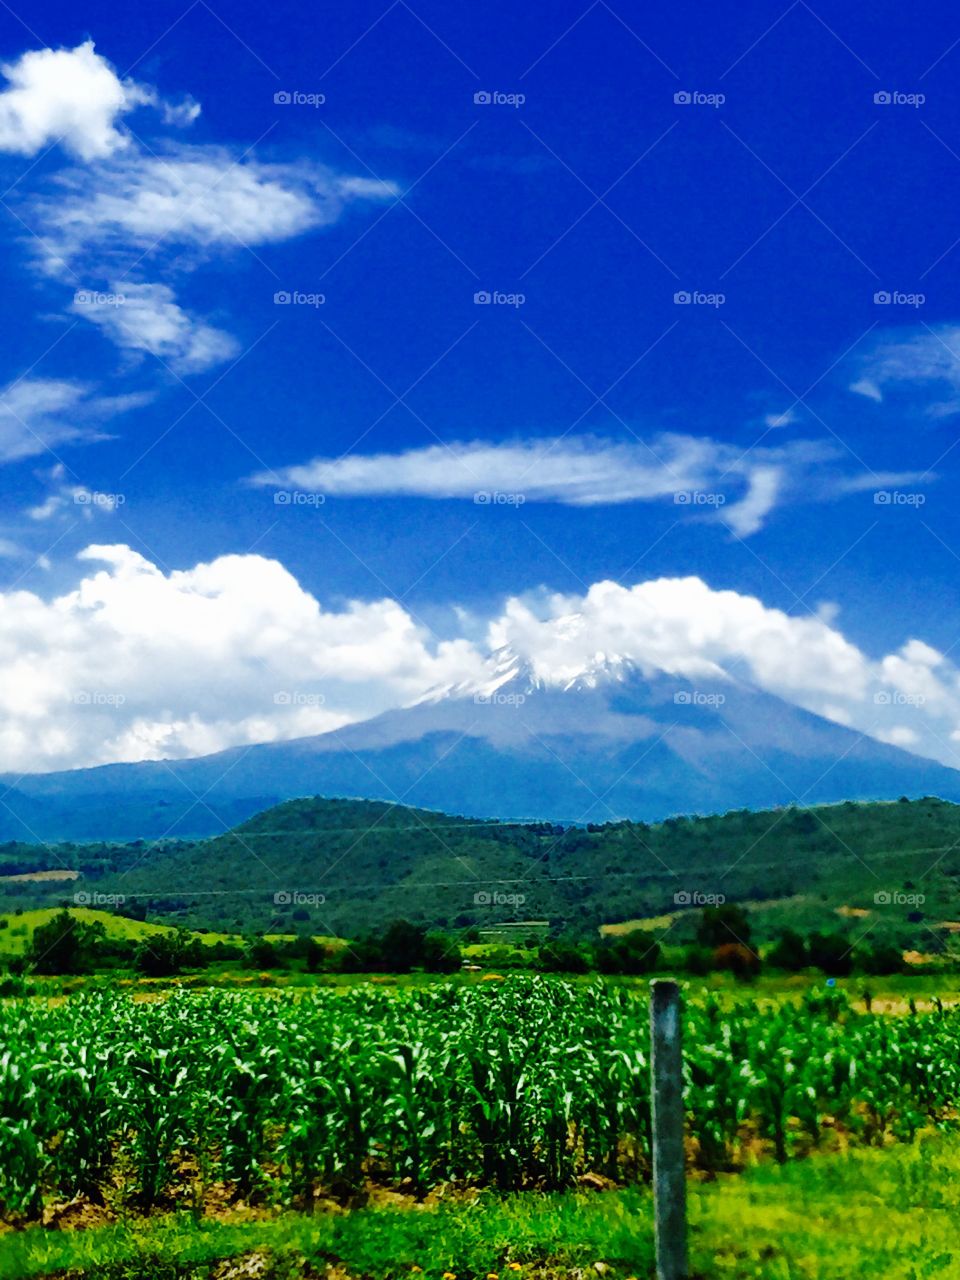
(603, 742)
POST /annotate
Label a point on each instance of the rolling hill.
(346, 866)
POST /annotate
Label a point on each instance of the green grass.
(17, 933)
(888, 1214)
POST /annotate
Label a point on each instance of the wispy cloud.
(735, 486)
(926, 359)
(147, 318)
(38, 414)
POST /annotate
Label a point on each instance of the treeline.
(67, 945)
(723, 943)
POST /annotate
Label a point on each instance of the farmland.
(521, 1084)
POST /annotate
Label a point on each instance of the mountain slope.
(603, 743)
(346, 866)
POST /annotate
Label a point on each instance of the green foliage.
(65, 945)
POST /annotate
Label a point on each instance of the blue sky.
(783, 166)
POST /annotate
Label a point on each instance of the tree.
(724, 924)
(789, 952)
(880, 958)
(562, 956)
(741, 961)
(831, 953)
(167, 954)
(441, 954)
(261, 953)
(402, 945)
(65, 945)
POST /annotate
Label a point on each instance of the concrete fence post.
(666, 1084)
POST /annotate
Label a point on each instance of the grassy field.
(16, 931)
(885, 1214)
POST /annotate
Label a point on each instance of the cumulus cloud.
(74, 97)
(683, 627)
(136, 663)
(736, 486)
(147, 317)
(140, 664)
(927, 359)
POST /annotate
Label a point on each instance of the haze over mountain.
(605, 742)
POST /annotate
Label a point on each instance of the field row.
(517, 1084)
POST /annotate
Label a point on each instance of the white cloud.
(680, 626)
(39, 414)
(136, 663)
(739, 487)
(146, 317)
(74, 97)
(927, 358)
(777, 420)
(198, 198)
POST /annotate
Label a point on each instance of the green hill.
(344, 866)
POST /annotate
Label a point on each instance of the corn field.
(525, 1083)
